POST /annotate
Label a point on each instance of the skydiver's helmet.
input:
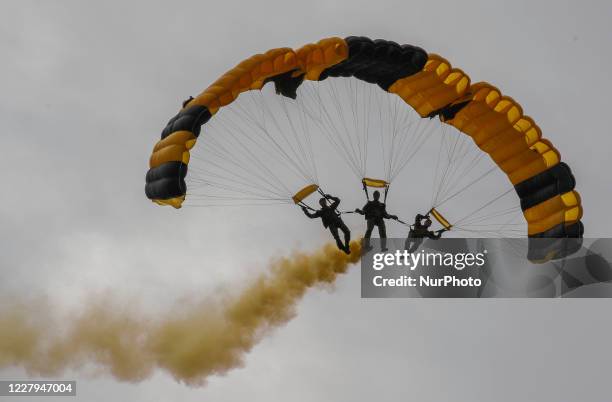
(323, 202)
(376, 195)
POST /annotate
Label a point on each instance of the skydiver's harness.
(385, 184)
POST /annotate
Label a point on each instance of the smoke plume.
(191, 343)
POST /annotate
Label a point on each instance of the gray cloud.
(85, 89)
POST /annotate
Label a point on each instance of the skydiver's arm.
(362, 211)
(387, 216)
(435, 235)
(309, 214)
(335, 203)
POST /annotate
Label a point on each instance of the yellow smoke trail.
(191, 344)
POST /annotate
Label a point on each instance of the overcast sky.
(85, 89)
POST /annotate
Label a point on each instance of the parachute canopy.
(425, 82)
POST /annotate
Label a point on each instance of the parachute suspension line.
(499, 228)
(234, 205)
(461, 169)
(331, 103)
(452, 167)
(459, 221)
(464, 174)
(450, 197)
(342, 132)
(306, 135)
(457, 158)
(473, 225)
(362, 106)
(386, 131)
(450, 161)
(302, 148)
(352, 95)
(227, 156)
(324, 121)
(400, 124)
(423, 134)
(298, 154)
(442, 177)
(291, 161)
(343, 142)
(495, 233)
(241, 145)
(340, 112)
(324, 129)
(238, 159)
(361, 127)
(242, 181)
(243, 186)
(436, 173)
(365, 112)
(495, 214)
(396, 140)
(237, 188)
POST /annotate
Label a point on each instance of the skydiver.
(331, 219)
(375, 214)
(419, 231)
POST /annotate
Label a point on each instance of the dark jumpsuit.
(375, 214)
(418, 233)
(331, 219)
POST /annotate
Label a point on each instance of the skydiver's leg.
(334, 231)
(382, 233)
(408, 243)
(414, 244)
(410, 240)
(368, 234)
(347, 236)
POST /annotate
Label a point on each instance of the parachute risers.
(375, 183)
(442, 220)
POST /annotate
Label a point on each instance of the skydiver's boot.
(347, 239)
(347, 249)
(366, 246)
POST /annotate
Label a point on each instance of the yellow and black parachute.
(427, 83)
